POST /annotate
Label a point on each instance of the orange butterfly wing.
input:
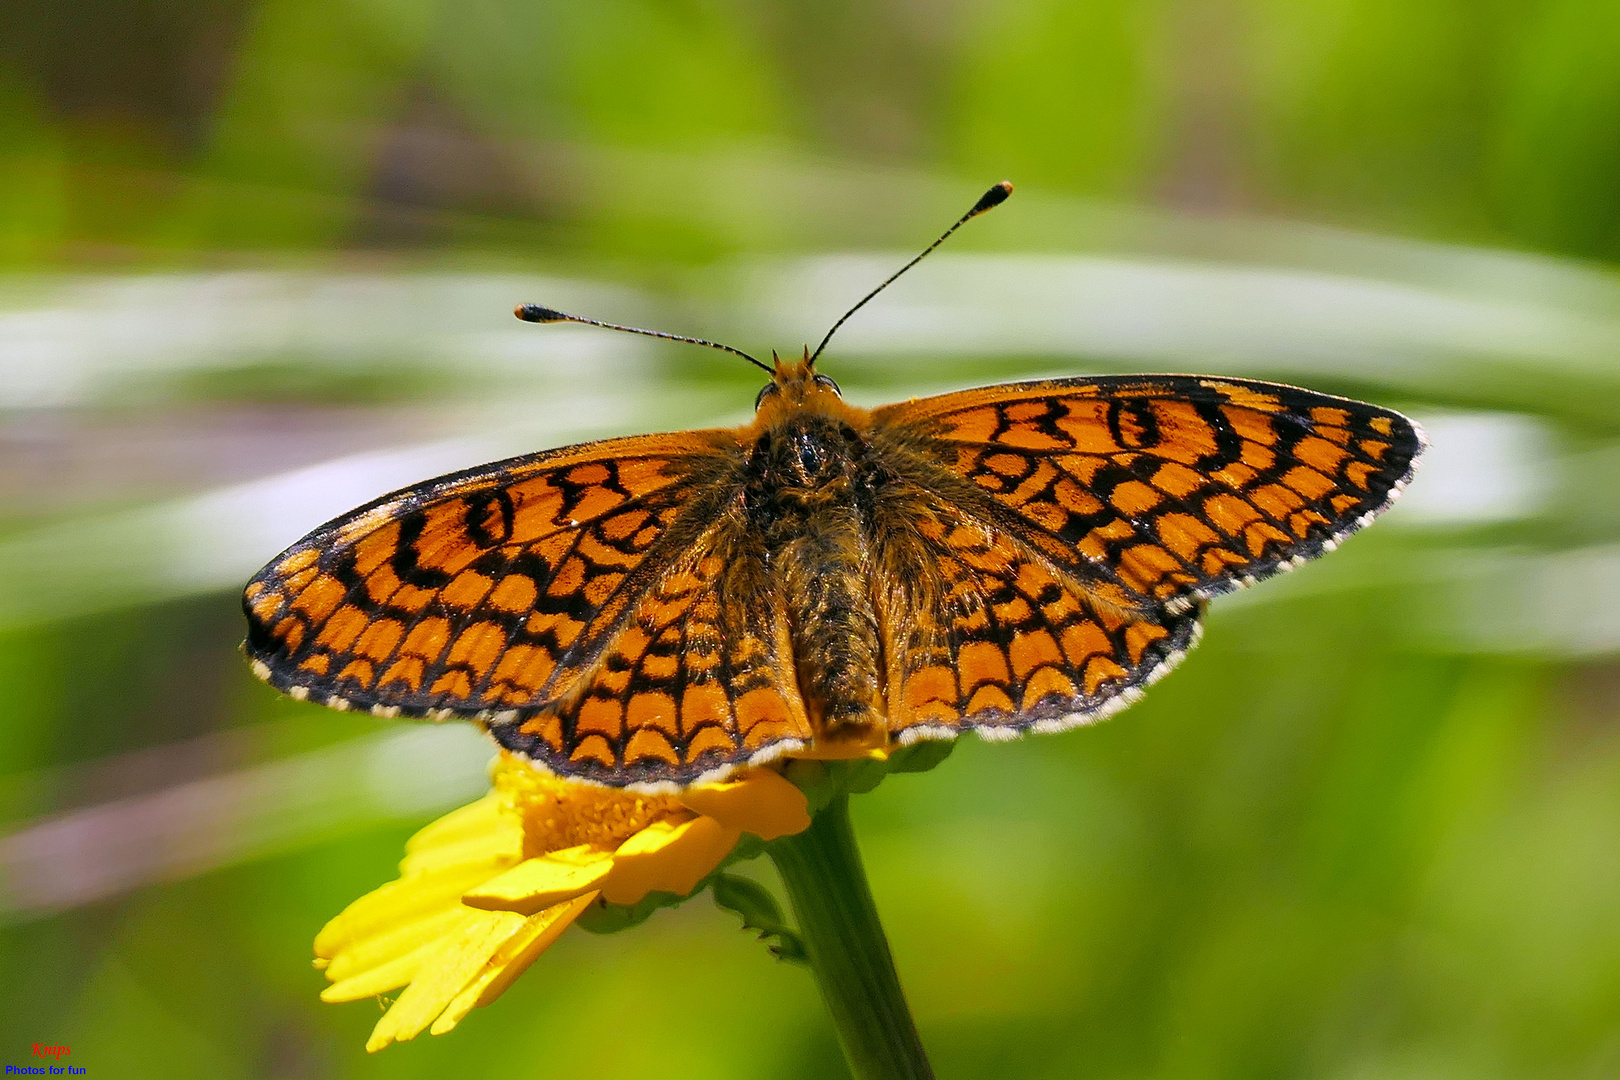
(985, 632)
(1176, 487)
(581, 603)
(1084, 521)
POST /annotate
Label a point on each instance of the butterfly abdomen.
(822, 576)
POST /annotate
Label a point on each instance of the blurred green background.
(259, 258)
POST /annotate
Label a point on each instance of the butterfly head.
(795, 384)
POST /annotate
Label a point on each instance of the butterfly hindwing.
(699, 679)
(991, 635)
(1175, 487)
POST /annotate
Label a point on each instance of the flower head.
(487, 888)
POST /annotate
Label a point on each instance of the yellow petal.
(379, 949)
(870, 742)
(379, 980)
(405, 900)
(763, 802)
(497, 842)
(668, 856)
(510, 960)
(443, 974)
(484, 829)
(396, 971)
(536, 884)
(474, 819)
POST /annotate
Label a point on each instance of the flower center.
(561, 814)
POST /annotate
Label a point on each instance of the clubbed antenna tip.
(536, 313)
(539, 314)
(991, 199)
(988, 201)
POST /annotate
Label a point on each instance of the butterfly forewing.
(1171, 487)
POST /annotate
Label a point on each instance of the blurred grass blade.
(92, 853)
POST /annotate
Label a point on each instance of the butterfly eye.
(764, 392)
(827, 384)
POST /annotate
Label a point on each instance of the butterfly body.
(657, 611)
(809, 488)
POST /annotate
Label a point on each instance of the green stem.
(844, 941)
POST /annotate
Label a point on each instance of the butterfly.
(657, 611)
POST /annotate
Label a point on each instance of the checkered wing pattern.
(1087, 520)
(986, 632)
(571, 601)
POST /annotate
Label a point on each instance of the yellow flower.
(487, 888)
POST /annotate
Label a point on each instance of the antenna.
(988, 201)
(536, 313)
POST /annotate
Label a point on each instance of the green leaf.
(760, 911)
(824, 781)
(921, 756)
(605, 918)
